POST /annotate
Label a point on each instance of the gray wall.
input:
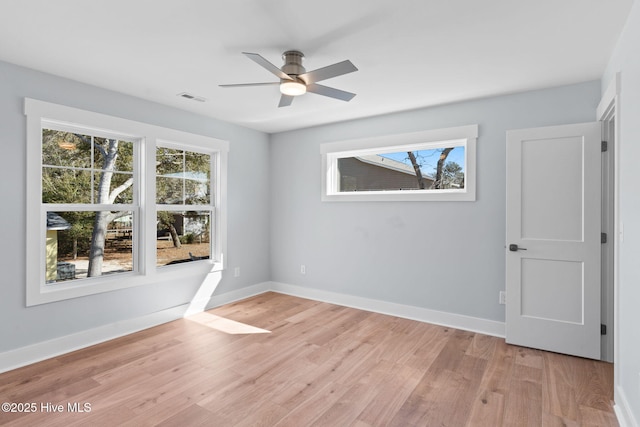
(626, 60)
(248, 215)
(446, 256)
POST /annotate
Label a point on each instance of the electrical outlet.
(236, 272)
(502, 299)
(303, 269)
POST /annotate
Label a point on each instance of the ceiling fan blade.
(250, 84)
(330, 92)
(267, 65)
(328, 72)
(285, 101)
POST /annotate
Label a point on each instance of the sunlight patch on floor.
(225, 325)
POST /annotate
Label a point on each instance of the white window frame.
(38, 114)
(463, 136)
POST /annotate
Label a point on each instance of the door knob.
(513, 248)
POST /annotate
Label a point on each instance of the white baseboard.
(623, 410)
(23, 356)
(458, 321)
(237, 295)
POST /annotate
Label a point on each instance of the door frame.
(608, 112)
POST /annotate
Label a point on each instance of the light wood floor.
(296, 362)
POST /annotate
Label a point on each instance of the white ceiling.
(410, 53)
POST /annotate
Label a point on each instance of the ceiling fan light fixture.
(292, 88)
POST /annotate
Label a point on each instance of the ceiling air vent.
(186, 95)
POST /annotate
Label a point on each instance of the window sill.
(401, 196)
(52, 292)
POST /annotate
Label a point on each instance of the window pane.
(66, 185)
(169, 161)
(79, 169)
(113, 154)
(70, 254)
(118, 186)
(197, 178)
(199, 163)
(196, 190)
(183, 236)
(434, 169)
(65, 149)
(182, 177)
(169, 191)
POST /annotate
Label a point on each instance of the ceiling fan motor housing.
(293, 63)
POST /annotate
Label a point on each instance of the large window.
(112, 200)
(429, 165)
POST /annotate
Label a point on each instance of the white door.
(553, 238)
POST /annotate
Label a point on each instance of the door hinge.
(604, 146)
(603, 329)
(603, 237)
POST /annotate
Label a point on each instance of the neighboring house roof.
(385, 162)
(56, 222)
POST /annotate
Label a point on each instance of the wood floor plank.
(550, 420)
(454, 350)
(488, 406)
(444, 396)
(328, 373)
(487, 410)
(523, 405)
(56, 378)
(159, 414)
(558, 396)
(21, 377)
(500, 368)
(428, 347)
(346, 410)
(482, 346)
(399, 382)
(275, 359)
(596, 388)
(193, 415)
(597, 418)
(311, 409)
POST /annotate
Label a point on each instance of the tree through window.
(87, 180)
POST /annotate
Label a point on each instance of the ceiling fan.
(295, 80)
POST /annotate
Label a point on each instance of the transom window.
(109, 197)
(431, 165)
